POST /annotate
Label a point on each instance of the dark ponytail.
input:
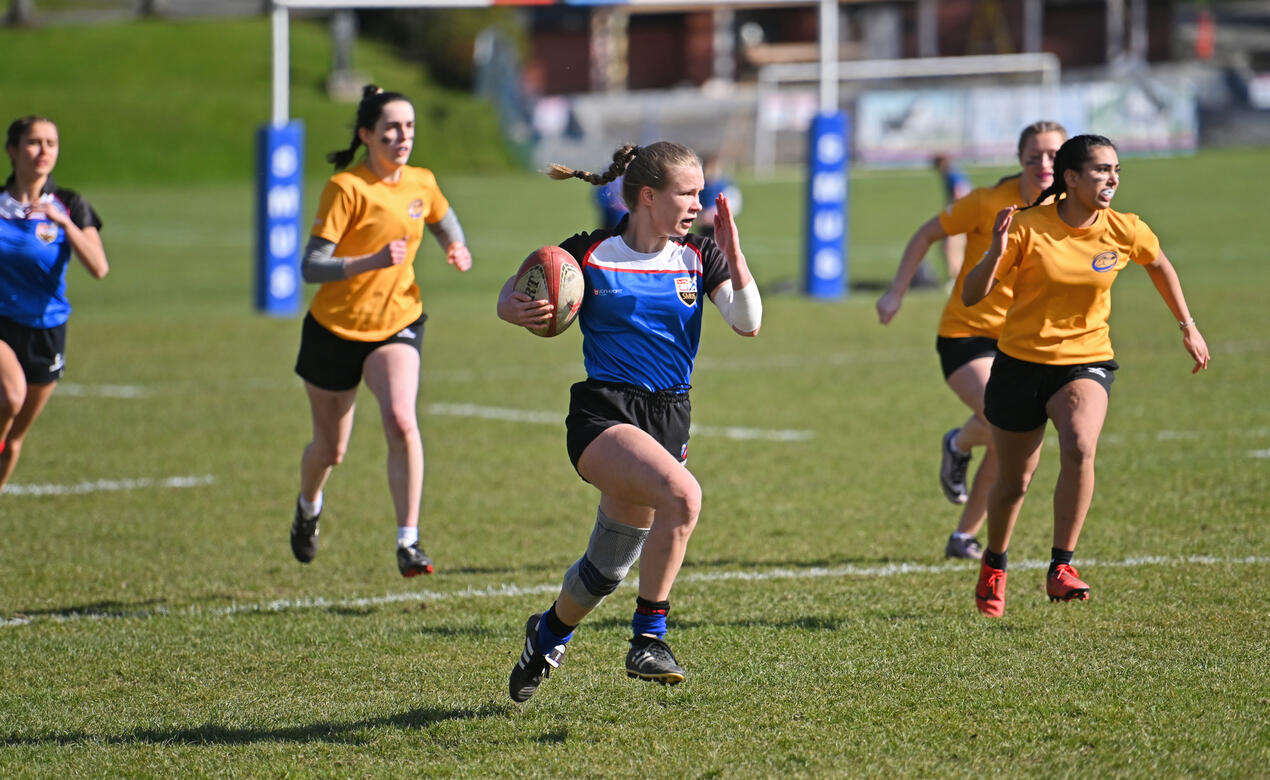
(368, 112)
(1071, 156)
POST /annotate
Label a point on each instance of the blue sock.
(650, 617)
(552, 631)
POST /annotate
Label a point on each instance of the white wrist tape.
(743, 308)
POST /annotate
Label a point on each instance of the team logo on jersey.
(687, 289)
(416, 208)
(46, 232)
(1105, 261)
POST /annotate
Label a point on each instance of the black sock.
(1059, 557)
(994, 560)
(555, 624)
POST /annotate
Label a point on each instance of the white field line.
(103, 391)
(107, 485)
(556, 418)
(512, 591)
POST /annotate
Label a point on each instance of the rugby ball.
(551, 274)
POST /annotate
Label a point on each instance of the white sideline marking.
(556, 418)
(510, 591)
(1259, 454)
(106, 485)
(103, 391)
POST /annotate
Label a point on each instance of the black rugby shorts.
(1018, 390)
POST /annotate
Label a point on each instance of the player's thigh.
(392, 374)
(12, 380)
(332, 414)
(1018, 453)
(37, 396)
(1078, 409)
(969, 381)
(628, 465)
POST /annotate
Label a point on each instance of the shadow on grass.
(353, 732)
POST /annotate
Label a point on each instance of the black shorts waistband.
(665, 395)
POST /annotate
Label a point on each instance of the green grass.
(157, 101)
(822, 631)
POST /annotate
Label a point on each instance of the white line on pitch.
(510, 591)
(107, 485)
(103, 391)
(556, 418)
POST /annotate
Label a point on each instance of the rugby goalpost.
(280, 158)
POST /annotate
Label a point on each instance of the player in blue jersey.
(627, 428)
(41, 224)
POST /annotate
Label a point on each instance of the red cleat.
(990, 592)
(1062, 585)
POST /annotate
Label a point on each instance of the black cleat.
(304, 533)
(952, 470)
(412, 561)
(528, 672)
(650, 659)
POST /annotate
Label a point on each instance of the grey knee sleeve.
(613, 549)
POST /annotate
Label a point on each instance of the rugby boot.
(533, 665)
(990, 592)
(969, 549)
(304, 534)
(650, 659)
(1062, 584)
(412, 562)
(952, 470)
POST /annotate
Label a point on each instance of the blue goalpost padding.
(279, 205)
(827, 161)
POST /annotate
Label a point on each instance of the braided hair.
(1072, 156)
(369, 110)
(640, 166)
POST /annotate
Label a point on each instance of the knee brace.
(613, 549)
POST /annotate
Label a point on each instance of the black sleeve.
(715, 271)
(81, 211)
(580, 243)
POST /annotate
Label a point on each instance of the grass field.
(150, 629)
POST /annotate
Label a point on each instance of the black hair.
(369, 110)
(640, 166)
(1072, 156)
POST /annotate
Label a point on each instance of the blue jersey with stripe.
(34, 253)
(641, 313)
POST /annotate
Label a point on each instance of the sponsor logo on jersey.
(602, 291)
(686, 286)
(416, 208)
(1105, 261)
(46, 232)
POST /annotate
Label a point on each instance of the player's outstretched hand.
(459, 256)
(725, 232)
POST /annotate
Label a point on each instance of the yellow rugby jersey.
(1062, 283)
(974, 215)
(361, 214)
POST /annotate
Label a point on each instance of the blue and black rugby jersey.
(641, 313)
(33, 257)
